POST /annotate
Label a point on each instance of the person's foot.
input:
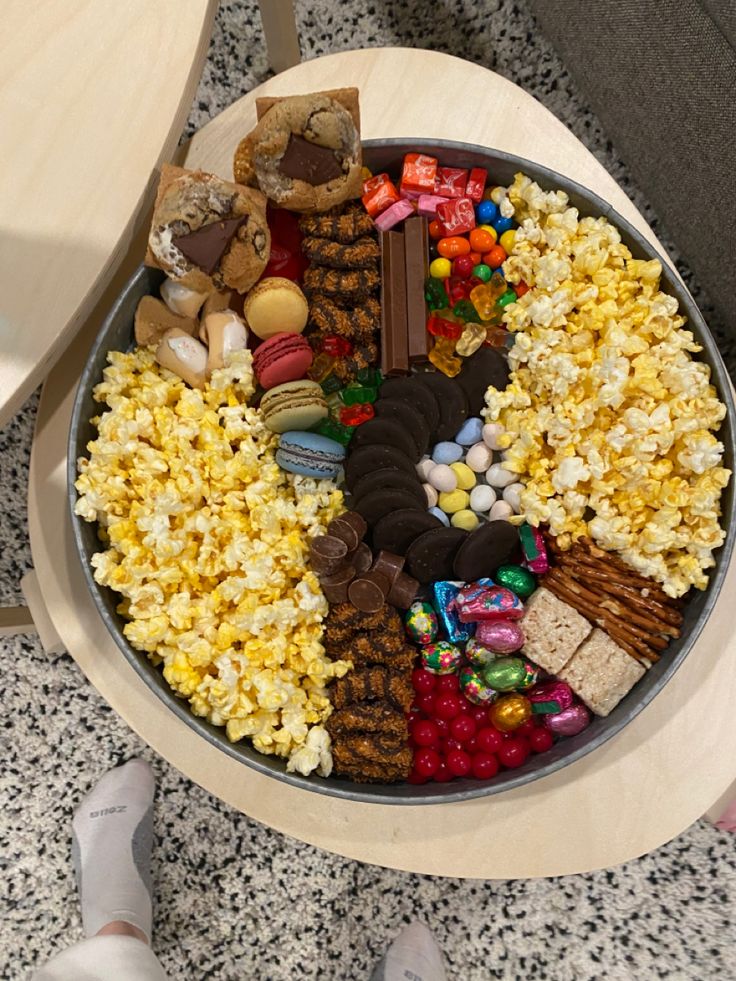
(111, 848)
(413, 955)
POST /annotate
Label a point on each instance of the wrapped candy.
(510, 712)
(420, 623)
(457, 216)
(569, 722)
(485, 295)
(418, 173)
(477, 602)
(441, 657)
(517, 579)
(478, 654)
(550, 697)
(444, 598)
(500, 636)
(474, 688)
(534, 549)
(379, 193)
(450, 182)
(476, 184)
(510, 673)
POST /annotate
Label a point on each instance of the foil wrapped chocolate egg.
(569, 722)
(474, 688)
(550, 697)
(510, 712)
(420, 622)
(509, 673)
(518, 580)
(500, 636)
(441, 657)
(478, 654)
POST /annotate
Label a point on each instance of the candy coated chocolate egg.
(439, 513)
(512, 496)
(479, 457)
(465, 477)
(569, 722)
(492, 432)
(498, 476)
(482, 499)
(500, 511)
(474, 688)
(518, 580)
(453, 501)
(432, 495)
(441, 658)
(510, 712)
(447, 452)
(465, 519)
(501, 636)
(478, 654)
(421, 623)
(442, 478)
(470, 431)
(505, 673)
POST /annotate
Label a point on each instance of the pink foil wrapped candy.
(569, 722)
(534, 549)
(476, 603)
(555, 696)
(500, 636)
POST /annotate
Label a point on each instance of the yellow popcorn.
(609, 421)
(207, 544)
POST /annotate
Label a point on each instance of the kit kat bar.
(394, 339)
(416, 244)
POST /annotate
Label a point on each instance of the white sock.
(111, 848)
(413, 956)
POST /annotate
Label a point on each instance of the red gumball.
(471, 745)
(484, 766)
(463, 266)
(426, 762)
(416, 778)
(443, 774)
(514, 752)
(443, 728)
(423, 681)
(447, 705)
(480, 715)
(541, 740)
(528, 727)
(458, 762)
(448, 682)
(489, 740)
(425, 702)
(462, 728)
(424, 732)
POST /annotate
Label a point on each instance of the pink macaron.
(282, 358)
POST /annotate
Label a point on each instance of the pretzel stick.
(630, 596)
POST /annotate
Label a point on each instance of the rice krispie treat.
(553, 631)
(600, 673)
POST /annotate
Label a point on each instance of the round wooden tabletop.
(638, 791)
(93, 96)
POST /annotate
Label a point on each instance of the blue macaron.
(310, 455)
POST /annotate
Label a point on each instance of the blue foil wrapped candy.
(444, 599)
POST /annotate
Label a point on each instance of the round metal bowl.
(117, 335)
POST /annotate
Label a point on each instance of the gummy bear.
(496, 336)
(336, 346)
(334, 402)
(371, 377)
(334, 430)
(443, 357)
(321, 367)
(457, 288)
(354, 415)
(465, 311)
(485, 295)
(356, 394)
(471, 339)
(434, 294)
(440, 327)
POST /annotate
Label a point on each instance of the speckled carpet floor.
(235, 900)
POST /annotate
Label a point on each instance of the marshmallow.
(180, 299)
(184, 355)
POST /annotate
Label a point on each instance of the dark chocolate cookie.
(409, 417)
(378, 503)
(365, 459)
(395, 532)
(386, 479)
(387, 432)
(409, 390)
(486, 367)
(430, 557)
(485, 549)
(451, 400)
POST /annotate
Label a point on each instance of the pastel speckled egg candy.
(439, 513)
(491, 433)
(424, 466)
(441, 658)
(442, 478)
(466, 479)
(447, 453)
(420, 622)
(482, 499)
(470, 432)
(474, 688)
(453, 501)
(465, 519)
(479, 458)
(498, 476)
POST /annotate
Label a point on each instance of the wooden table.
(641, 789)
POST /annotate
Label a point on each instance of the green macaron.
(295, 405)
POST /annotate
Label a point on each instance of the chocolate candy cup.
(403, 591)
(361, 559)
(388, 564)
(368, 594)
(327, 554)
(335, 586)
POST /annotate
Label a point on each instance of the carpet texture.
(235, 900)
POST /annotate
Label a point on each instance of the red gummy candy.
(476, 184)
(450, 182)
(418, 173)
(457, 288)
(284, 263)
(439, 327)
(337, 347)
(457, 215)
(354, 415)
